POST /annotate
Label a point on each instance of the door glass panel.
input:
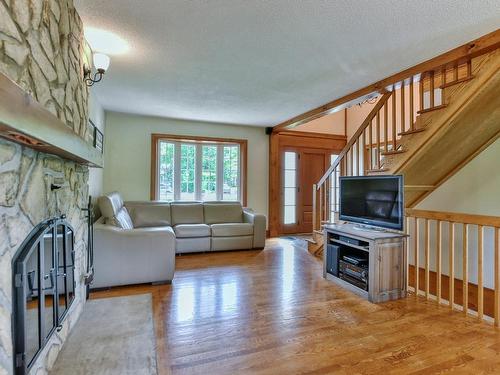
(188, 157)
(32, 334)
(231, 179)
(290, 188)
(209, 173)
(290, 196)
(290, 178)
(61, 271)
(49, 283)
(166, 170)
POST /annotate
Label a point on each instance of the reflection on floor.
(271, 312)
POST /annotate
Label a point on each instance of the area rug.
(114, 336)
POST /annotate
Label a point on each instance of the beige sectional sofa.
(136, 242)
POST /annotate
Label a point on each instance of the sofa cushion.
(223, 212)
(192, 230)
(149, 214)
(232, 229)
(186, 213)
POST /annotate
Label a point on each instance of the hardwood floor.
(271, 312)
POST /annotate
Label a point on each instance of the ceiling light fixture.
(101, 64)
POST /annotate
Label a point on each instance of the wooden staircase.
(426, 127)
(315, 244)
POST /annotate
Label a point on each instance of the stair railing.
(394, 116)
(438, 242)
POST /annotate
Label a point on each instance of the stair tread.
(392, 152)
(376, 170)
(413, 131)
(456, 82)
(435, 108)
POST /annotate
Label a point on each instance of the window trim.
(156, 138)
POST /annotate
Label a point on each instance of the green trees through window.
(198, 171)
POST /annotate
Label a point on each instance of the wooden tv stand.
(387, 261)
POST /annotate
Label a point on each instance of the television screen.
(372, 200)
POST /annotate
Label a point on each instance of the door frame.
(331, 143)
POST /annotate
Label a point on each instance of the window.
(209, 173)
(166, 171)
(290, 188)
(189, 169)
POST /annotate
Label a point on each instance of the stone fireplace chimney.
(43, 51)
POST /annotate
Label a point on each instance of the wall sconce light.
(101, 63)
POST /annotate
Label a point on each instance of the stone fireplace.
(42, 50)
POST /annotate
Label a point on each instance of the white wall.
(127, 155)
(333, 123)
(96, 175)
(475, 189)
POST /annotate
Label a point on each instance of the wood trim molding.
(155, 137)
(296, 133)
(474, 48)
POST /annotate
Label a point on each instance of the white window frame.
(198, 167)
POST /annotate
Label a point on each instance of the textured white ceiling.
(260, 62)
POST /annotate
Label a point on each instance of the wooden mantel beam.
(477, 47)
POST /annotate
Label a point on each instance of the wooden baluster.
(370, 140)
(407, 254)
(443, 83)
(326, 210)
(480, 289)
(465, 269)
(438, 261)
(431, 88)
(427, 242)
(386, 127)
(351, 165)
(357, 158)
(334, 182)
(363, 151)
(469, 68)
(403, 126)
(497, 278)
(412, 119)
(451, 241)
(320, 211)
(416, 247)
(378, 140)
(314, 208)
(421, 91)
(394, 127)
(455, 72)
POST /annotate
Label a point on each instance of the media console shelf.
(376, 261)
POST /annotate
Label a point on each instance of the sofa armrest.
(259, 227)
(132, 256)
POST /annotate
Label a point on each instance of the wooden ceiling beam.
(477, 47)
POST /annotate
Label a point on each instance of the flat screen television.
(373, 200)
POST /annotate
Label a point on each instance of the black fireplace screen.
(44, 288)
